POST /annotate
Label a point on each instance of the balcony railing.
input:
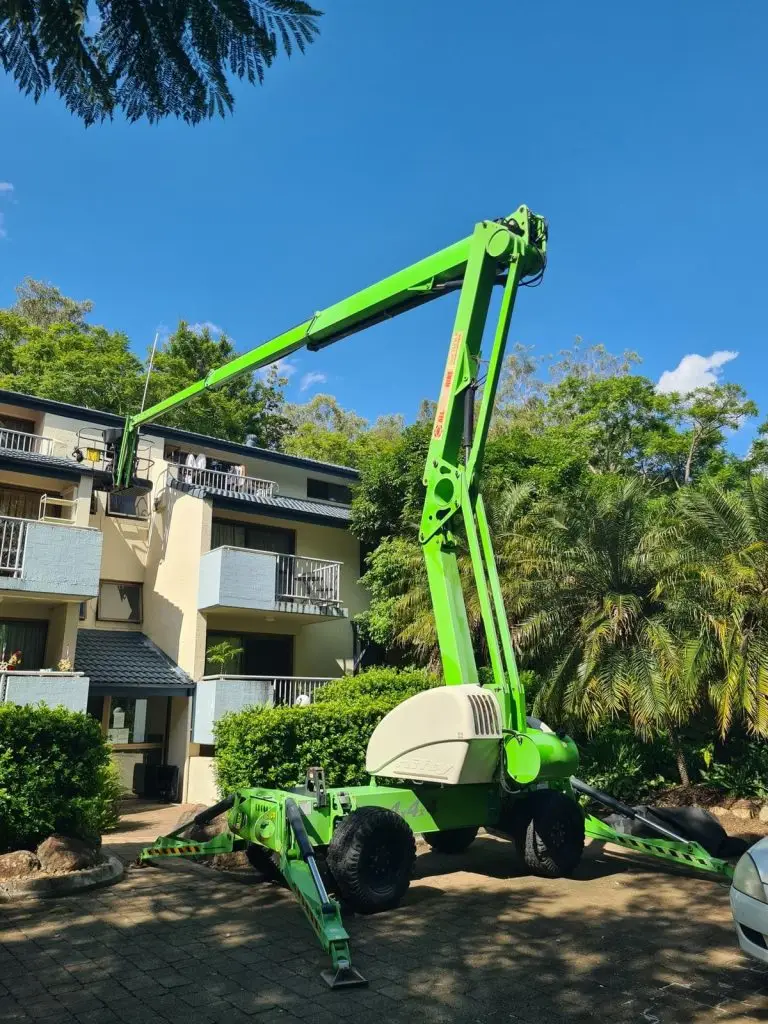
(35, 444)
(230, 483)
(13, 538)
(280, 689)
(307, 579)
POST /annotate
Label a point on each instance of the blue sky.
(637, 130)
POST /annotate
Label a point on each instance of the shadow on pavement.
(473, 942)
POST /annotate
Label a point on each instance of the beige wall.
(179, 533)
(200, 784)
(62, 635)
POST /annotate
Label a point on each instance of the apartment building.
(120, 602)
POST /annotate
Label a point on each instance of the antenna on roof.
(149, 371)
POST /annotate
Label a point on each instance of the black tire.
(264, 861)
(550, 837)
(371, 857)
(451, 840)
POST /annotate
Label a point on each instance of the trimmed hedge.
(56, 775)
(275, 746)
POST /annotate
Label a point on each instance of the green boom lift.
(461, 756)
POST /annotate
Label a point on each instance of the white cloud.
(309, 379)
(203, 325)
(284, 368)
(6, 186)
(694, 371)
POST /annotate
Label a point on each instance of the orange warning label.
(445, 391)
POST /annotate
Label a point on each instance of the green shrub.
(744, 774)
(618, 762)
(378, 682)
(275, 746)
(55, 776)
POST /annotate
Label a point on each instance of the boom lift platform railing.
(462, 755)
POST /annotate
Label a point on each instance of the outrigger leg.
(672, 847)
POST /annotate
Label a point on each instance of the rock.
(64, 853)
(230, 861)
(719, 811)
(18, 864)
(189, 814)
(763, 815)
(740, 812)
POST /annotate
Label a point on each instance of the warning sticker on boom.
(445, 391)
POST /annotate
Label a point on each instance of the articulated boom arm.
(503, 252)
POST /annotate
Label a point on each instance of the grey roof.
(112, 658)
(277, 504)
(159, 429)
(51, 461)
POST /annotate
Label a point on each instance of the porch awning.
(127, 662)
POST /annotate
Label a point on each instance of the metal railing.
(229, 483)
(284, 689)
(35, 444)
(308, 579)
(13, 541)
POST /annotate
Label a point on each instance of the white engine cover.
(450, 734)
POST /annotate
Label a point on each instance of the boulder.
(200, 833)
(64, 853)
(18, 864)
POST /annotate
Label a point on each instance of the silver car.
(749, 900)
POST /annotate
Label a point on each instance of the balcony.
(43, 558)
(233, 485)
(57, 689)
(218, 695)
(31, 444)
(243, 579)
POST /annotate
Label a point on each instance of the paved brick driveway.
(474, 943)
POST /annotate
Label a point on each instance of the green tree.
(84, 365)
(43, 305)
(248, 408)
(710, 412)
(146, 59)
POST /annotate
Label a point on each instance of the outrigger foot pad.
(343, 977)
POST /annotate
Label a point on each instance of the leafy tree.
(248, 407)
(43, 305)
(84, 365)
(710, 411)
(147, 59)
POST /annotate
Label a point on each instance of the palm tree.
(147, 59)
(720, 595)
(584, 590)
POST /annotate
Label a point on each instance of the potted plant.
(222, 654)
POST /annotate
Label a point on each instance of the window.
(22, 504)
(127, 503)
(28, 637)
(229, 533)
(326, 491)
(119, 602)
(83, 610)
(262, 654)
(137, 720)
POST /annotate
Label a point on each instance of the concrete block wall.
(59, 560)
(53, 688)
